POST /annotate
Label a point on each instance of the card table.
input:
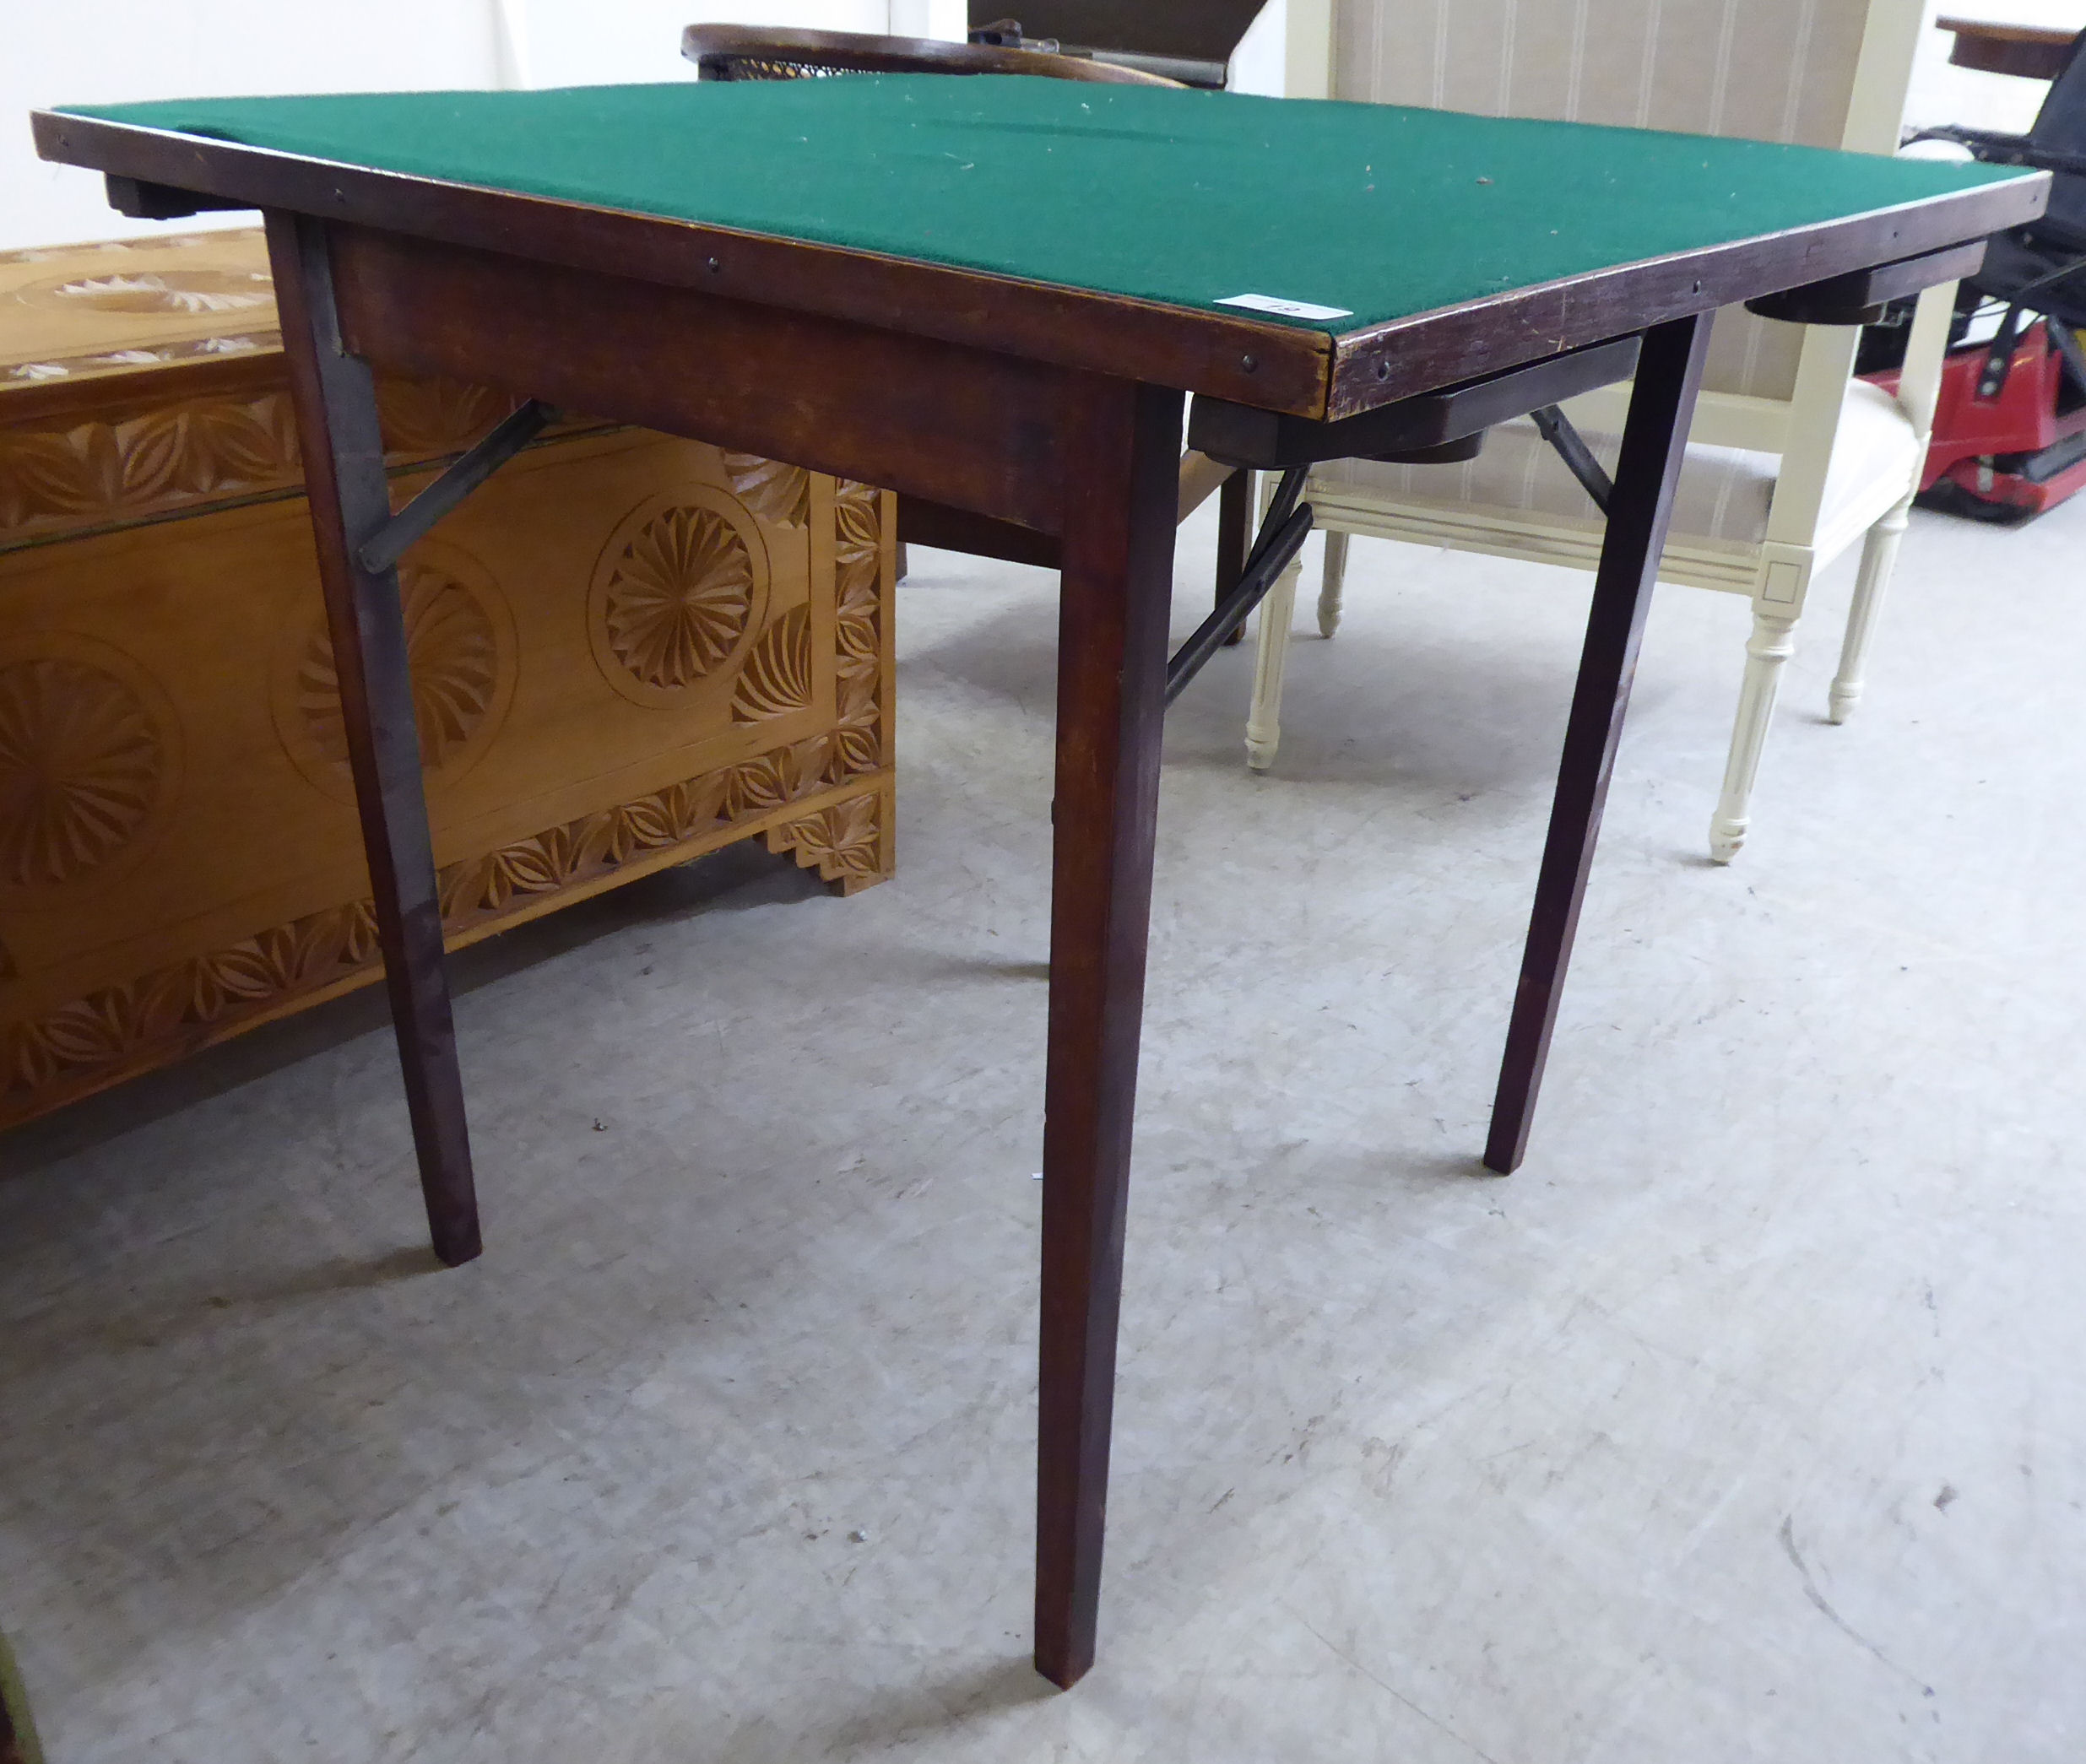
(994, 293)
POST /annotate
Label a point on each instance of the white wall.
(1257, 62)
(110, 52)
(1945, 93)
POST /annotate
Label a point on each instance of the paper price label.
(1285, 309)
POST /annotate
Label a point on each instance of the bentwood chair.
(1789, 462)
(739, 51)
(745, 51)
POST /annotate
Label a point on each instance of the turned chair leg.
(1879, 560)
(1335, 581)
(1263, 721)
(1772, 643)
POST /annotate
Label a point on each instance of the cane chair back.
(742, 52)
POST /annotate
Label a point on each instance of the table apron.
(966, 427)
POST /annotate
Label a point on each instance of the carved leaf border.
(181, 1004)
(186, 454)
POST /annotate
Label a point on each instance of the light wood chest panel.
(627, 649)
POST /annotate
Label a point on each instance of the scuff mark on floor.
(1434, 1721)
(1811, 1592)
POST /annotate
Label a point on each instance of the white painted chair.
(1789, 460)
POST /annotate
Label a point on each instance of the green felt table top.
(1187, 198)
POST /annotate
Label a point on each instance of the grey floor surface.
(1744, 1423)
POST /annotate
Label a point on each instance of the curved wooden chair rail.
(745, 51)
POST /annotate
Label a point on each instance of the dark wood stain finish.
(1654, 440)
(1305, 373)
(1857, 297)
(955, 426)
(1047, 419)
(10, 1743)
(1071, 327)
(1234, 533)
(343, 464)
(2028, 51)
(1122, 452)
(922, 523)
(1387, 362)
(1270, 441)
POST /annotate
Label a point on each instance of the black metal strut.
(1570, 446)
(1283, 530)
(418, 517)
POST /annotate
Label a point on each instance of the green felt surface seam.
(1182, 198)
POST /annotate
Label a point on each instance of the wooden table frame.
(2028, 51)
(1055, 410)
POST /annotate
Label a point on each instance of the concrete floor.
(1745, 1423)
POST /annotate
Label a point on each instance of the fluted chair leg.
(1879, 560)
(1772, 644)
(1334, 582)
(1264, 722)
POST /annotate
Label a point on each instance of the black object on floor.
(18, 1733)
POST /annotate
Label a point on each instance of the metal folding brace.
(1570, 446)
(418, 517)
(1286, 525)
(1282, 533)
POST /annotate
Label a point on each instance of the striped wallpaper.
(1772, 70)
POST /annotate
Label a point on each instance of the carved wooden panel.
(627, 649)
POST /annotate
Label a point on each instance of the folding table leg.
(1654, 440)
(1234, 533)
(1117, 573)
(343, 465)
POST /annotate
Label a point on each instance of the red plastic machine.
(2010, 428)
(2017, 450)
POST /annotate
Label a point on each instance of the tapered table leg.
(1116, 574)
(1234, 533)
(344, 466)
(1654, 440)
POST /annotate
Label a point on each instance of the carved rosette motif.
(453, 650)
(678, 594)
(460, 643)
(811, 797)
(82, 764)
(678, 598)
